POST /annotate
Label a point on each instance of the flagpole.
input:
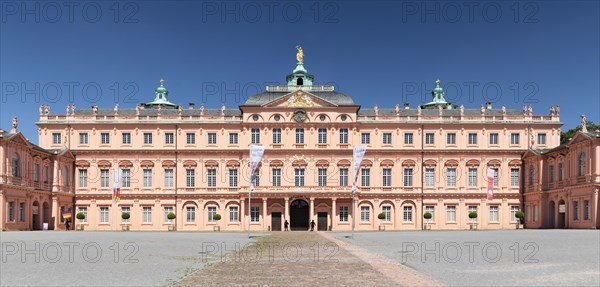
(353, 212)
(249, 205)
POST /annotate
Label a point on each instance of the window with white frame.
(36, 172)
(169, 138)
(66, 174)
(83, 138)
(431, 210)
(276, 176)
(83, 178)
(256, 178)
(429, 138)
(190, 177)
(387, 177)
(126, 177)
(387, 210)
(472, 138)
(322, 136)
(190, 214)
(146, 214)
(531, 175)
(212, 138)
(514, 139)
(365, 177)
(104, 178)
(125, 209)
(551, 173)
(233, 177)
(472, 177)
(322, 176)
(494, 213)
(451, 213)
(514, 177)
(190, 138)
(168, 178)
(493, 138)
(16, 168)
(365, 138)
(211, 179)
(586, 210)
(276, 136)
(561, 171)
(472, 208)
(105, 138)
(167, 210)
(495, 171)
(147, 138)
(343, 136)
(365, 213)
(343, 177)
(528, 213)
(103, 214)
(233, 138)
(542, 139)
(45, 174)
(126, 138)
(451, 176)
(429, 177)
(255, 133)
(581, 165)
(11, 211)
(84, 211)
(299, 136)
(451, 139)
(575, 210)
(212, 210)
(299, 177)
(343, 213)
(513, 213)
(387, 138)
(56, 138)
(234, 214)
(408, 177)
(535, 213)
(408, 213)
(254, 214)
(408, 138)
(147, 177)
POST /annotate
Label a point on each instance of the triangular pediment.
(20, 139)
(579, 137)
(299, 99)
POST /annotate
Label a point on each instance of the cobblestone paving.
(301, 259)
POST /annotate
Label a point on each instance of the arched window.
(66, 176)
(300, 82)
(581, 165)
(531, 174)
(16, 165)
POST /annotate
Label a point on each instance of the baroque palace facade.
(194, 162)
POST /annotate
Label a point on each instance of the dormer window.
(299, 82)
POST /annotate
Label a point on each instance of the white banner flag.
(357, 157)
(490, 182)
(116, 196)
(256, 155)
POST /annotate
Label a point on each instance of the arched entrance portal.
(35, 223)
(561, 215)
(299, 215)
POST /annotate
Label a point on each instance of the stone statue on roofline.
(180, 110)
(202, 110)
(482, 110)
(530, 111)
(41, 110)
(15, 123)
(376, 110)
(73, 109)
(419, 110)
(222, 109)
(557, 110)
(503, 110)
(95, 109)
(47, 109)
(116, 109)
(462, 110)
(137, 109)
(584, 124)
(397, 109)
(552, 111)
(524, 110)
(68, 109)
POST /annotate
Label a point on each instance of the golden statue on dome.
(300, 55)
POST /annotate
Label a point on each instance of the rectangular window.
(83, 138)
(472, 138)
(36, 172)
(233, 214)
(83, 178)
(365, 138)
(575, 210)
(387, 177)
(514, 139)
(254, 214)
(364, 213)
(513, 213)
(126, 178)
(542, 139)
(212, 177)
(343, 177)
(169, 138)
(126, 138)
(104, 178)
(233, 138)
(494, 138)
(551, 174)
(495, 170)
(84, 211)
(190, 138)
(212, 138)
(494, 213)
(344, 136)
(429, 138)
(277, 136)
(408, 213)
(105, 138)
(147, 138)
(408, 138)
(472, 177)
(343, 213)
(125, 209)
(586, 210)
(190, 214)
(431, 210)
(103, 214)
(451, 176)
(212, 210)
(167, 210)
(387, 138)
(147, 214)
(147, 177)
(22, 211)
(561, 171)
(168, 178)
(45, 174)
(322, 136)
(11, 211)
(451, 213)
(233, 177)
(429, 177)
(451, 139)
(255, 136)
(365, 177)
(408, 174)
(276, 177)
(528, 213)
(387, 210)
(472, 208)
(514, 177)
(190, 177)
(535, 213)
(56, 138)
(299, 136)
(299, 177)
(322, 176)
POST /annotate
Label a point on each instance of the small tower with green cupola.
(299, 77)
(438, 98)
(161, 97)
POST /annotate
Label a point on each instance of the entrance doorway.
(299, 215)
(322, 221)
(275, 221)
(552, 216)
(35, 223)
(561, 214)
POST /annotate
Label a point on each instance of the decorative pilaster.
(55, 176)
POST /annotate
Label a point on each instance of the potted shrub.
(473, 223)
(382, 217)
(217, 217)
(125, 216)
(427, 217)
(171, 216)
(521, 216)
(80, 216)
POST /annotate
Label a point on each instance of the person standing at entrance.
(312, 225)
(68, 223)
(285, 225)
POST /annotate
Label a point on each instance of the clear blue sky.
(378, 52)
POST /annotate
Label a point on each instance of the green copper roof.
(438, 96)
(161, 97)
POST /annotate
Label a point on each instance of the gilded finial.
(162, 81)
(437, 82)
(300, 55)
